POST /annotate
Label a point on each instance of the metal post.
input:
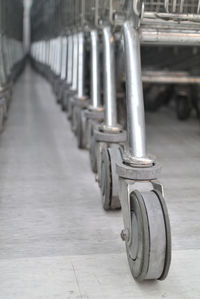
(134, 92)
(95, 72)
(75, 62)
(64, 58)
(109, 78)
(81, 64)
(47, 52)
(54, 57)
(58, 54)
(50, 53)
(69, 59)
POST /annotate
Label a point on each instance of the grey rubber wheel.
(183, 107)
(70, 108)
(109, 180)
(92, 151)
(75, 114)
(80, 130)
(1, 119)
(149, 245)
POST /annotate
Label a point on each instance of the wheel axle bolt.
(124, 234)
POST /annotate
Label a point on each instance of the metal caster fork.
(146, 223)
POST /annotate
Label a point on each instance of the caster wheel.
(70, 108)
(1, 119)
(58, 99)
(197, 108)
(65, 101)
(109, 178)
(81, 129)
(152, 101)
(92, 150)
(183, 107)
(75, 115)
(149, 246)
(5, 107)
(63, 108)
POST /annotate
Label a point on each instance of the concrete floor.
(55, 239)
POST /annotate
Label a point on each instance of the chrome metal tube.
(2, 69)
(110, 111)
(47, 53)
(64, 58)
(95, 71)
(170, 37)
(69, 59)
(134, 92)
(50, 53)
(54, 56)
(75, 62)
(81, 64)
(43, 51)
(58, 56)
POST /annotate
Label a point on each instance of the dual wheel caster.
(78, 104)
(5, 99)
(66, 102)
(72, 94)
(146, 223)
(63, 96)
(60, 91)
(56, 85)
(108, 179)
(186, 100)
(183, 106)
(2, 118)
(157, 96)
(80, 128)
(3, 113)
(86, 120)
(105, 153)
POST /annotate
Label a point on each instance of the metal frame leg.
(64, 58)
(75, 63)
(134, 92)
(69, 59)
(95, 71)
(81, 65)
(110, 113)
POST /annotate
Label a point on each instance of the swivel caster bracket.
(146, 222)
(107, 153)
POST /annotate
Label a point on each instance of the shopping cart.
(146, 223)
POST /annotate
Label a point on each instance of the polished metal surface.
(64, 58)
(69, 59)
(170, 37)
(81, 65)
(95, 70)
(110, 100)
(75, 62)
(134, 92)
